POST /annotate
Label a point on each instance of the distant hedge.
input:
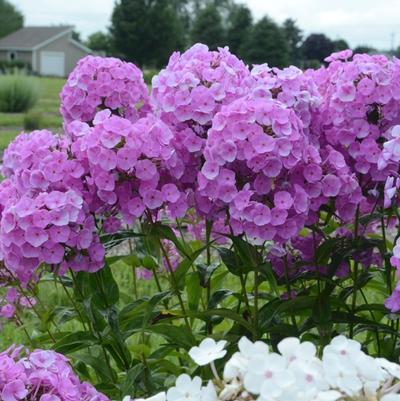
(7, 66)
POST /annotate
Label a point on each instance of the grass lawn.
(11, 124)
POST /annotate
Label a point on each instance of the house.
(50, 50)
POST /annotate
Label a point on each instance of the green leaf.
(217, 297)
(105, 291)
(179, 335)
(247, 253)
(205, 315)
(283, 308)
(326, 249)
(231, 261)
(140, 312)
(129, 260)
(98, 365)
(267, 273)
(205, 273)
(193, 290)
(149, 262)
(184, 267)
(112, 240)
(245, 258)
(164, 232)
(75, 341)
(322, 312)
(128, 386)
(362, 280)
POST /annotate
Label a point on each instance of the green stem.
(35, 310)
(98, 333)
(373, 318)
(355, 275)
(241, 278)
(289, 291)
(388, 268)
(19, 321)
(209, 327)
(316, 262)
(135, 290)
(256, 283)
(175, 284)
(73, 303)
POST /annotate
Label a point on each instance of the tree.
(240, 24)
(99, 41)
(294, 36)
(76, 36)
(146, 31)
(317, 46)
(10, 18)
(267, 43)
(364, 49)
(340, 44)
(208, 28)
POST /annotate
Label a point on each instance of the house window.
(12, 56)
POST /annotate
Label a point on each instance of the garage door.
(52, 63)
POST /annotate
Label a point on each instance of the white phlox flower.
(208, 351)
(254, 373)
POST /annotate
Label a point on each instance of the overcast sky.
(373, 22)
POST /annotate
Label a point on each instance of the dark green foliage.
(294, 36)
(99, 41)
(208, 28)
(317, 46)
(364, 49)
(266, 44)
(340, 44)
(76, 36)
(239, 28)
(10, 18)
(9, 67)
(146, 31)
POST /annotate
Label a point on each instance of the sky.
(360, 22)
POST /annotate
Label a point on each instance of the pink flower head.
(266, 158)
(99, 82)
(189, 92)
(43, 376)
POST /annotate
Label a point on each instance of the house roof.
(33, 37)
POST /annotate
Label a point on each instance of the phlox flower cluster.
(300, 92)
(131, 166)
(99, 83)
(291, 86)
(261, 168)
(358, 113)
(45, 214)
(295, 373)
(41, 376)
(190, 91)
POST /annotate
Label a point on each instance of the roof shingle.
(31, 36)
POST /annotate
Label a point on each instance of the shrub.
(9, 67)
(17, 94)
(33, 121)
